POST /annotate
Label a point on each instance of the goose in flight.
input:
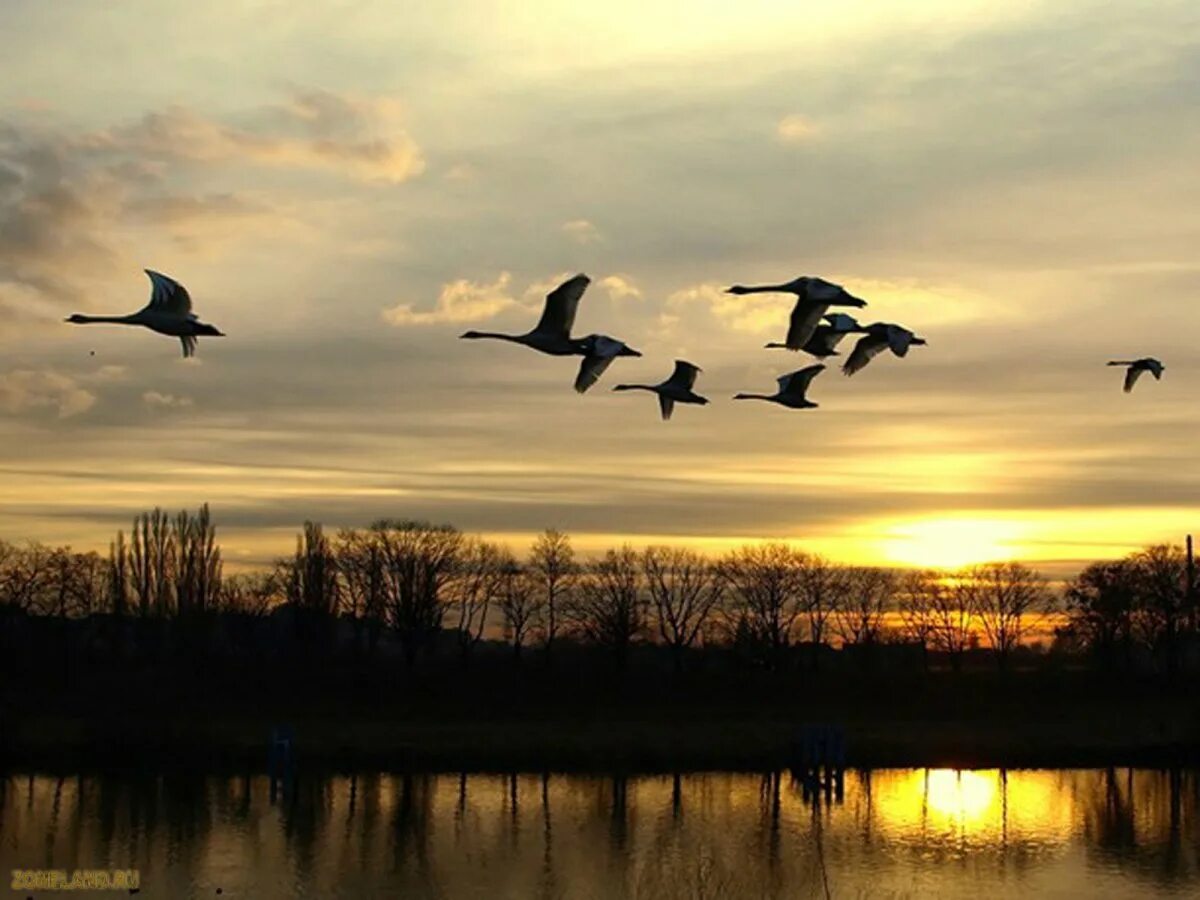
(169, 312)
(676, 389)
(1137, 367)
(814, 296)
(552, 334)
(880, 336)
(792, 389)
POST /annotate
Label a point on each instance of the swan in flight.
(169, 312)
(792, 389)
(828, 335)
(1137, 367)
(814, 296)
(552, 334)
(676, 389)
(880, 336)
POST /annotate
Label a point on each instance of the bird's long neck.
(496, 336)
(762, 289)
(633, 387)
(775, 345)
(752, 397)
(110, 320)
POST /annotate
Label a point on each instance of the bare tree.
(197, 573)
(250, 593)
(478, 580)
(1161, 577)
(26, 576)
(1003, 594)
(118, 576)
(1102, 602)
(859, 616)
(419, 561)
(685, 588)
(521, 605)
(609, 608)
(151, 561)
(552, 565)
(312, 582)
(364, 596)
(916, 591)
(950, 610)
(765, 583)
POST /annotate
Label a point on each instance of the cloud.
(459, 301)
(357, 136)
(754, 313)
(796, 128)
(620, 287)
(581, 231)
(22, 390)
(156, 400)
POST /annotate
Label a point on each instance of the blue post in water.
(281, 757)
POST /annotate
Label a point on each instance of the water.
(895, 833)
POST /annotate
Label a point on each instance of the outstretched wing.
(168, 295)
(667, 405)
(684, 375)
(797, 382)
(601, 352)
(806, 315)
(1131, 376)
(868, 347)
(823, 291)
(558, 316)
(840, 322)
(899, 339)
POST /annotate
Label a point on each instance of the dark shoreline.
(60, 744)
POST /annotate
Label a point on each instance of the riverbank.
(595, 744)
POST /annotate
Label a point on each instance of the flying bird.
(1137, 367)
(169, 312)
(814, 296)
(880, 336)
(676, 389)
(792, 389)
(552, 334)
(828, 335)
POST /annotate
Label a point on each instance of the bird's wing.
(803, 322)
(825, 291)
(1131, 376)
(840, 322)
(168, 296)
(667, 405)
(899, 339)
(684, 375)
(797, 382)
(591, 369)
(558, 316)
(867, 348)
(189, 345)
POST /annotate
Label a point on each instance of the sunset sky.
(345, 187)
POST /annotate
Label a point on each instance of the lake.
(1116, 833)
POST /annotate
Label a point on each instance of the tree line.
(413, 582)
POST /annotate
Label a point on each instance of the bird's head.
(737, 289)
(76, 319)
(470, 335)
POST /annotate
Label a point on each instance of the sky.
(345, 187)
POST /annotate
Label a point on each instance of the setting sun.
(950, 543)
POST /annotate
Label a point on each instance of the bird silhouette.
(814, 296)
(1136, 367)
(169, 312)
(676, 389)
(880, 336)
(793, 389)
(552, 334)
(828, 335)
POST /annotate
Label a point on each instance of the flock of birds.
(812, 329)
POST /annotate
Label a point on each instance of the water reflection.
(923, 832)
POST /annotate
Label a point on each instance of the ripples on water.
(894, 833)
